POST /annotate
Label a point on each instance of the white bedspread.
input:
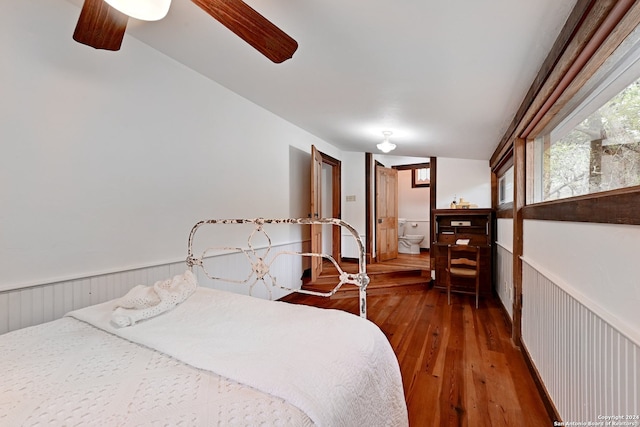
(336, 367)
(68, 373)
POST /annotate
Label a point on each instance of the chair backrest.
(463, 260)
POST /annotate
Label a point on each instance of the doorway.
(371, 200)
(326, 173)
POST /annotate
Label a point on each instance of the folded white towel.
(143, 302)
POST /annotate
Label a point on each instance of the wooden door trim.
(369, 208)
(316, 211)
(336, 198)
(433, 169)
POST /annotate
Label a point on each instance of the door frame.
(336, 198)
(370, 204)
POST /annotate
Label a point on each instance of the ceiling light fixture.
(385, 146)
(145, 10)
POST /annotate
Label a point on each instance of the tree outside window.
(601, 153)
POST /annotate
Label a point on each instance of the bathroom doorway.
(417, 185)
(414, 206)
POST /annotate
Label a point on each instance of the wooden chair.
(463, 262)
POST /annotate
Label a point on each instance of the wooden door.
(386, 213)
(316, 209)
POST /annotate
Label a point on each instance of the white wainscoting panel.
(28, 306)
(504, 278)
(349, 247)
(589, 368)
(42, 303)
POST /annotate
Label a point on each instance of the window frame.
(503, 210)
(581, 52)
(621, 206)
(624, 70)
(414, 167)
(503, 192)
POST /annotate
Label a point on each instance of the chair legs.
(477, 291)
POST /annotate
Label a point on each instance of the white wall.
(109, 158)
(353, 210)
(327, 206)
(594, 263)
(504, 233)
(589, 261)
(413, 203)
(469, 179)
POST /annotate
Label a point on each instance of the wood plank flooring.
(458, 365)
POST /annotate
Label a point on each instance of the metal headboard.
(261, 264)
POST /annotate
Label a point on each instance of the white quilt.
(337, 368)
(68, 373)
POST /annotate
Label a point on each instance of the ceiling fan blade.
(100, 26)
(252, 27)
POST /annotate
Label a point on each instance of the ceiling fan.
(102, 25)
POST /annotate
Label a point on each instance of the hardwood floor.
(458, 365)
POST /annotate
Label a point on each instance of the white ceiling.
(446, 77)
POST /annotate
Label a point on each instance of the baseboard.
(551, 409)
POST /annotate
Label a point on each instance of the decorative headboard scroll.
(262, 260)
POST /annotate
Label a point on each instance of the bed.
(176, 353)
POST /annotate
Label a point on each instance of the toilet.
(408, 243)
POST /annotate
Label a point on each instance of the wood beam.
(607, 30)
(560, 47)
(610, 207)
(433, 185)
(519, 181)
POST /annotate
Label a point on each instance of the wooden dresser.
(450, 225)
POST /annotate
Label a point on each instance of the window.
(420, 177)
(597, 146)
(505, 187)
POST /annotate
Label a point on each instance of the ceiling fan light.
(145, 10)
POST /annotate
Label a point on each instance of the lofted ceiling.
(446, 77)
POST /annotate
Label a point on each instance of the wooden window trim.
(594, 29)
(620, 206)
(413, 167)
(562, 52)
(502, 167)
(504, 210)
